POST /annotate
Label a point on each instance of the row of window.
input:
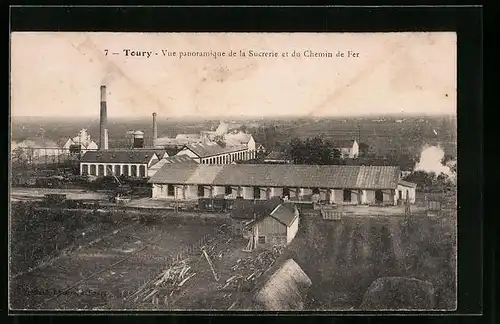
(118, 170)
(257, 192)
(226, 159)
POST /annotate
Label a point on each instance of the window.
(142, 171)
(133, 171)
(201, 191)
(92, 169)
(347, 195)
(256, 192)
(262, 240)
(286, 192)
(125, 170)
(228, 190)
(170, 190)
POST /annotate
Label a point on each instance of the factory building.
(132, 163)
(332, 184)
(80, 143)
(168, 160)
(214, 153)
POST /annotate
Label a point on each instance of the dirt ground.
(149, 248)
(234, 274)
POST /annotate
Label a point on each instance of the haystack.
(399, 293)
(285, 290)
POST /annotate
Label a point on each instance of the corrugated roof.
(119, 156)
(173, 159)
(284, 213)
(170, 160)
(212, 149)
(246, 209)
(284, 175)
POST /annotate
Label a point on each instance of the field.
(113, 255)
(343, 258)
(384, 135)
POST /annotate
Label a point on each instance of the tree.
(313, 151)
(363, 149)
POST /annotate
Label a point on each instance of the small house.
(406, 191)
(246, 211)
(348, 149)
(278, 228)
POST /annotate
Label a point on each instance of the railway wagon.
(215, 204)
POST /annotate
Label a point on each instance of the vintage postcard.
(233, 171)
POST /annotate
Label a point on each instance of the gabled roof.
(237, 139)
(138, 156)
(253, 209)
(407, 184)
(281, 175)
(212, 149)
(284, 213)
(170, 160)
(37, 143)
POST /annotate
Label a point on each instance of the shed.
(277, 228)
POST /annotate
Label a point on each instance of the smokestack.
(103, 136)
(155, 129)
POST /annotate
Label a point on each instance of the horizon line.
(158, 116)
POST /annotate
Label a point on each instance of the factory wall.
(118, 169)
(336, 196)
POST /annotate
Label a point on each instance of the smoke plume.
(431, 161)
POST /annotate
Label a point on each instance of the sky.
(60, 74)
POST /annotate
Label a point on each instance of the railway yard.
(152, 258)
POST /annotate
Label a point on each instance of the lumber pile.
(246, 270)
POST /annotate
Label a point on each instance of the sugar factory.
(254, 208)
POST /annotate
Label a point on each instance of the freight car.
(215, 204)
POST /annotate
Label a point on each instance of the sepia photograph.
(233, 172)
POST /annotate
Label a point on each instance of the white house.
(82, 142)
(406, 190)
(134, 163)
(348, 148)
(37, 150)
(241, 138)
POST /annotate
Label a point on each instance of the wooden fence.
(329, 214)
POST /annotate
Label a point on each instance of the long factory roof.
(265, 175)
